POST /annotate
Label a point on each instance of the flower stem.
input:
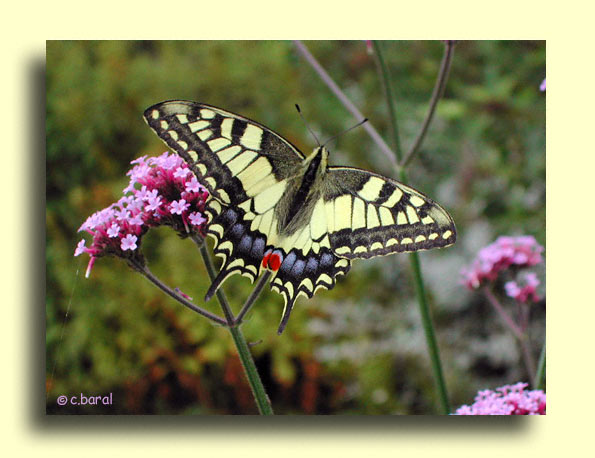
(260, 395)
(540, 375)
(324, 76)
(518, 332)
(220, 295)
(436, 95)
(426, 319)
(428, 325)
(186, 303)
(424, 309)
(415, 263)
(253, 296)
(528, 359)
(526, 343)
(390, 100)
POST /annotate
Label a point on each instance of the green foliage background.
(358, 349)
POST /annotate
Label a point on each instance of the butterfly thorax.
(295, 207)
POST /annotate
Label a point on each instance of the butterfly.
(273, 208)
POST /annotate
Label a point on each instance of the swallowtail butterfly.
(271, 207)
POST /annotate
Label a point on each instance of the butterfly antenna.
(307, 126)
(345, 131)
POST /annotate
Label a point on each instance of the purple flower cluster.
(162, 191)
(542, 86)
(522, 251)
(506, 400)
(523, 291)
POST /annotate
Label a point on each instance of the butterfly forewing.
(233, 157)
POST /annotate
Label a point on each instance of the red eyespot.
(265, 260)
(274, 261)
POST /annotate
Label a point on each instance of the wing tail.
(285, 317)
(301, 274)
(223, 275)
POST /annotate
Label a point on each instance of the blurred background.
(358, 349)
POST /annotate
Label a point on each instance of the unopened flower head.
(522, 251)
(161, 191)
(506, 400)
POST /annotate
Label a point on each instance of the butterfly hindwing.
(307, 263)
(370, 215)
(240, 247)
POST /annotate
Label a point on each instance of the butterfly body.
(294, 209)
(271, 207)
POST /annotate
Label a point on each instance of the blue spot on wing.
(288, 262)
(229, 217)
(237, 230)
(245, 244)
(258, 248)
(298, 268)
(326, 261)
(312, 265)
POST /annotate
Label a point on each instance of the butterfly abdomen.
(296, 206)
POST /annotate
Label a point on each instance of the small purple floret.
(80, 248)
(129, 242)
(506, 400)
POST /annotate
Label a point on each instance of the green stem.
(253, 296)
(426, 319)
(260, 395)
(428, 325)
(540, 375)
(415, 263)
(414, 257)
(186, 303)
(390, 100)
(220, 295)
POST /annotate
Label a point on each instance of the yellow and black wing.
(244, 166)
(357, 214)
(266, 212)
(233, 157)
(370, 215)
(306, 259)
